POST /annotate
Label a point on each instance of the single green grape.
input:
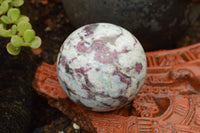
(12, 49)
(17, 41)
(29, 35)
(36, 43)
(22, 27)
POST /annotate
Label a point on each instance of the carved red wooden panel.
(169, 100)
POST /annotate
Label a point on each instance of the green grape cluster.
(16, 26)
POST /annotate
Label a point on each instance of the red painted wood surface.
(169, 100)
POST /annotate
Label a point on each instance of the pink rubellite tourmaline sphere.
(101, 66)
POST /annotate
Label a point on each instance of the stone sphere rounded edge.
(101, 66)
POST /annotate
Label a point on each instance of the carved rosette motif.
(169, 100)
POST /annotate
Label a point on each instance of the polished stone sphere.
(101, 66)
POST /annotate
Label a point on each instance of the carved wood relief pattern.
(169, 100)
